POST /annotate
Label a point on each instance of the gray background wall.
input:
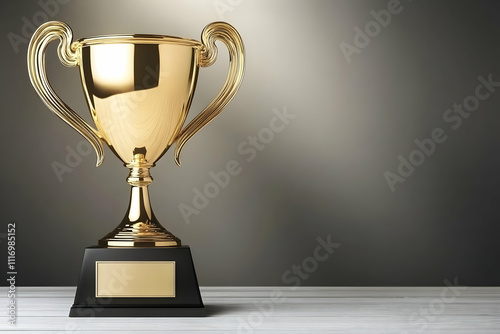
(322, 175)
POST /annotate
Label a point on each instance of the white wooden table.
(280, 310)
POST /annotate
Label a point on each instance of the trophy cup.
(140, 268)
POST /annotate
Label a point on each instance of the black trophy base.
(114, 312)
(114, 283)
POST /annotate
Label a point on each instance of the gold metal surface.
(139, 89)
(68, 56)
(135, 279)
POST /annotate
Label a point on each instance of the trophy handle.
(231, 38)
(69, 57)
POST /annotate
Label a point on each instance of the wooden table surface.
(447, 309)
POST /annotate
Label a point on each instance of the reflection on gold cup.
(139, 89)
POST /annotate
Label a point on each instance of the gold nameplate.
(135, 279)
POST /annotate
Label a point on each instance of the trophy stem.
(139, 227)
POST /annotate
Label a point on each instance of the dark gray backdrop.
(361, 101)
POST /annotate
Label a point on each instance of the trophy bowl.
(139, 90)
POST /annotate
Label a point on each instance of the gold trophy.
(140, 268)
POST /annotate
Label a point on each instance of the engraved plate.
(135, 279)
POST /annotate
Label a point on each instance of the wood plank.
(266, 323)
(316, 292)
(251, 310)
(320, 310)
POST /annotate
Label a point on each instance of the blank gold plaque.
(135, 279)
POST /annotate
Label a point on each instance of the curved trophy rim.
(136, 39)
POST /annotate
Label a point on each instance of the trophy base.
(143, 312)
(138, 282)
